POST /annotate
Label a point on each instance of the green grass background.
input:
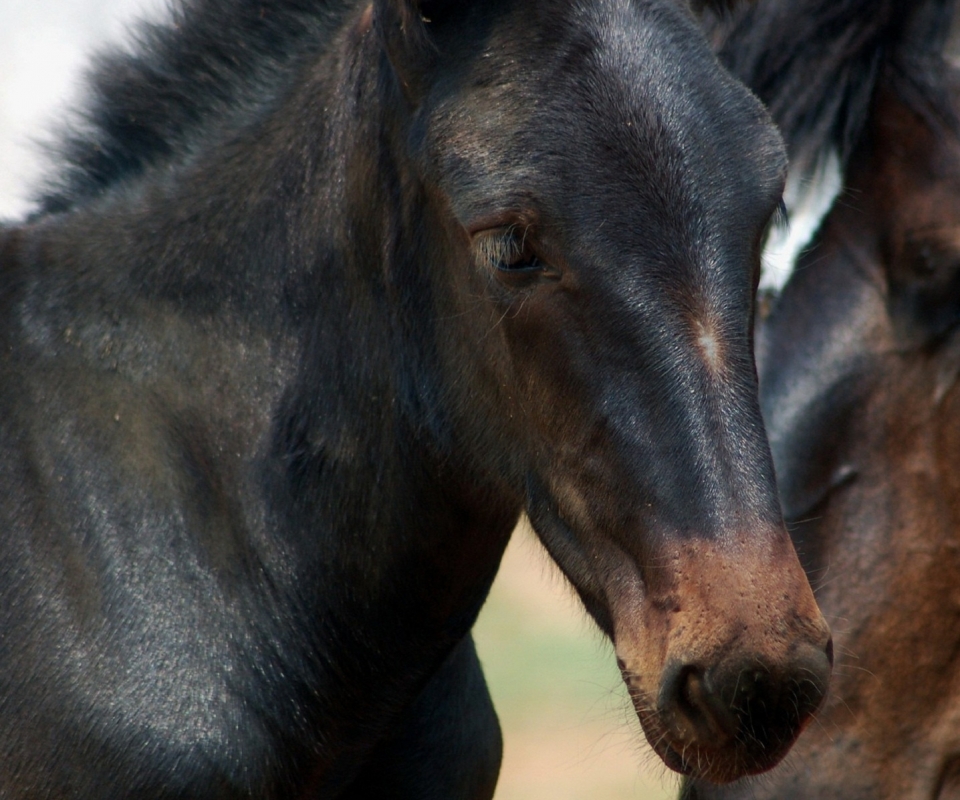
(569, 731)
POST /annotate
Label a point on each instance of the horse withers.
(326, 295)
(859, 363)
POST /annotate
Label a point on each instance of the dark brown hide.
(859, 364)
(325, 298)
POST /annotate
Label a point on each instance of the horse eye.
(510, 251)
(519, 257)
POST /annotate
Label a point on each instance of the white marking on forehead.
(809, 196)
(709, 345)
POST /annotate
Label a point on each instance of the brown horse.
(859, 363)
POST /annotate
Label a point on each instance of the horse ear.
(402, 26)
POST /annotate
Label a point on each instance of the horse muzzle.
(725, 722)
(727, 669)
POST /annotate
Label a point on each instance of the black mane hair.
(817, 63)
(209, 60)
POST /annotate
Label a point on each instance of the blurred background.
(569, 730)
(44, 48)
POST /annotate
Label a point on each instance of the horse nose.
(761, 706)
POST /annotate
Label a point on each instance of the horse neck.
(264, 217)
(266, 252)
(363, 440)
(262, 228)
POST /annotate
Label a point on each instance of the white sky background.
(44, 47)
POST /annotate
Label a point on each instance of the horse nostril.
(698, 712)
(705, 706)
(809, 679)
(763, 706)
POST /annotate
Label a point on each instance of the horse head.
(603, 187)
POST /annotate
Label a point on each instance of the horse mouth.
(715, 765)
(719, 758)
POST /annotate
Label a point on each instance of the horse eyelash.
(498, 247)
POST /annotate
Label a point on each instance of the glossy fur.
(327, 294)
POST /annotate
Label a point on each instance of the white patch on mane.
(809, 197)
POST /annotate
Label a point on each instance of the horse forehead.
(656, 86)
(658, 59)
(622, 98)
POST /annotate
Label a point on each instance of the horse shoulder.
(130, 523)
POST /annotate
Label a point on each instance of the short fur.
(269, 408)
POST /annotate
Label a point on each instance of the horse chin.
(722, 738)
(721, 764)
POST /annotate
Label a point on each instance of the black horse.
(327, 295)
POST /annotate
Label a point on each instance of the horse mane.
(209, 59)
(817, 63)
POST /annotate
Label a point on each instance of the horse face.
(605, 205)
(863, 425)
